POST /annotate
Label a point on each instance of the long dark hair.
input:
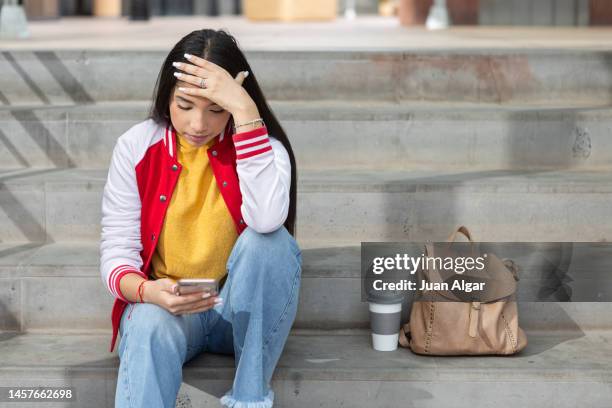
(222, 49)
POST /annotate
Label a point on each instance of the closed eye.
(188, 107)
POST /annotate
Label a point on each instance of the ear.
(241, 76)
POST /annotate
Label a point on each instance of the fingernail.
(176, 64)
(218, 300)
(188, 56)
(177, 74)
(182, 89)
(206, 295)
(246, 74)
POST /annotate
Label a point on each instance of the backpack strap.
(404, 336)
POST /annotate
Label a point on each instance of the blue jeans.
(260, 299)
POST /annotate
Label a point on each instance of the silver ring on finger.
(202, 83)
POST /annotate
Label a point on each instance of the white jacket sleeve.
(120, 243)
(264, 174)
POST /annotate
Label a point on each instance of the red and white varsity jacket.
(252, 171)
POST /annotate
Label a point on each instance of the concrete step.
(378, 135)
(484, 75)
(339, 207)
(555, 370)
(57, 288)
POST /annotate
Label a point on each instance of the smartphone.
(187, 286)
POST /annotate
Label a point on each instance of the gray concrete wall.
(533, 13)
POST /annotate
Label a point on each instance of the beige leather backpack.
(467, 328)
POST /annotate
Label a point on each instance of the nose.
(198, 124)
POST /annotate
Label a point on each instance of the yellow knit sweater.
(198, 232)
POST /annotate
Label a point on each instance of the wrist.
(148, 291)
(243, 105)
(245, 114)
(240, 128)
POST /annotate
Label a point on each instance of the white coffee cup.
(385, 320)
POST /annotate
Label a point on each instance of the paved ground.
(340, 370)
(333, 356)
(364, 33)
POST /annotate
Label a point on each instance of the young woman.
(205, 188)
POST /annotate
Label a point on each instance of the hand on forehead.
(211, 82)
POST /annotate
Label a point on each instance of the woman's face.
(198, 119)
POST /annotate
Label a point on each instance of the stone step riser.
(403, 138)
(49, 77)
(56, 212)
(57, 304)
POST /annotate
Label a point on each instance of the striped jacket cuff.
(252, 143)
(115, 278)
